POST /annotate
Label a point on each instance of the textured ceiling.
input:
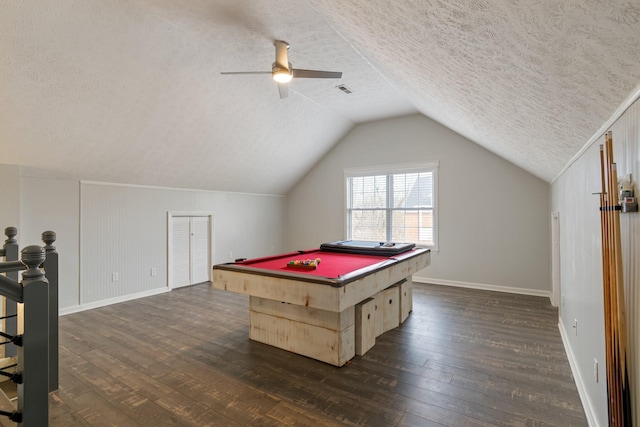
(130, 90)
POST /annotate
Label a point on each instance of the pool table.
(312, 311)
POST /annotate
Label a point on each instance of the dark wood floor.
(463, 358)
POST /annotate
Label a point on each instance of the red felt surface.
(332, 264)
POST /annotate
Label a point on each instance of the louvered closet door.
(181, 248)
(199, 249)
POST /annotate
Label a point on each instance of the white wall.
(494, 223)
(105, 228)
(51, 204)
(10, 205)
(581, 263)
(123, 229)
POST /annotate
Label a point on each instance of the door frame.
(170, 216)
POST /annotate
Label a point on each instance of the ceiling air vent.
(344, 89)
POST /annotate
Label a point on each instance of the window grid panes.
(395, 206)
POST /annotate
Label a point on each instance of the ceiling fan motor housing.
(281, 74)
(282, 58)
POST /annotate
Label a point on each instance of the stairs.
(8, 390)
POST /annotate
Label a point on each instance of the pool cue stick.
(616, 407)
(613, 287)
(625, 391)
(613, 278)
(606, 290)
(610, 303)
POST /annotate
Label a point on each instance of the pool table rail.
(316, 291)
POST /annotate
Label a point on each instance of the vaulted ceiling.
(130, 91)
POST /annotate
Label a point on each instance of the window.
(395, 203)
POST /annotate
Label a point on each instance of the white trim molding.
(633, 97)
(582, 389)
(105, 302)
(197, 190)
(483, 286)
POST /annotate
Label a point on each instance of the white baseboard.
(582, 391)
(109, 301)
(483, 286)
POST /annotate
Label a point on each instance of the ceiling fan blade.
(245, 72)
(316, 74)
(283, 88)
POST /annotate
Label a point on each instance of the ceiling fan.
(282, 72)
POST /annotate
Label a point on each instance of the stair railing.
(32, 338)
(34, 367)
(10, 252)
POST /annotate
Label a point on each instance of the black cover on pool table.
(367, 248)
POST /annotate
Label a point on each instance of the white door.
(190, 250)
(199, 249)
(181, 250)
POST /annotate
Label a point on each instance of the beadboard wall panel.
(626, 136)
(581, 264)
(123, 231)
(52, 204)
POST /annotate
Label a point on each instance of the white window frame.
(395, 169)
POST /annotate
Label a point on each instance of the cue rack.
(615, 321)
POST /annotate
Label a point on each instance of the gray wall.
(52, 204)
(581, 264)
(493, 223)
(124, 230)
(10, 205)
(104, 228)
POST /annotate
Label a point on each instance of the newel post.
(33, 391)
(11, 254)
(50, 266)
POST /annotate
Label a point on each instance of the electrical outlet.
(595, 369)
(575, 326)
(230, 255)
(562, 300)
(154, 272)
(114, 277)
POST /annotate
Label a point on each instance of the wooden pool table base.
(320, 334)
(331, 337)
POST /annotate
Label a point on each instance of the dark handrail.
(11, 289)
(11, 266)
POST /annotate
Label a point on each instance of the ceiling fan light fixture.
(282, 76)
(282, 72)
